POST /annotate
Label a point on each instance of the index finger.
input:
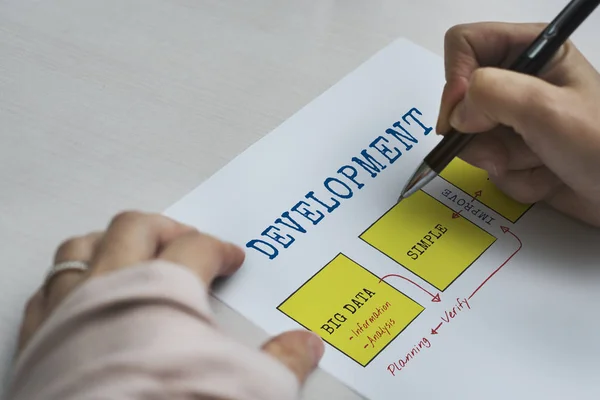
(207, 256)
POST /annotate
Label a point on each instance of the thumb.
(300, 351)
(496, 96)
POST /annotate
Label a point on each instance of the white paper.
(530, 331)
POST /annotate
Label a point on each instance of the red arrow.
(477, 194)
(505, 230)
(435, 299)
(434, 331)
(456, 214)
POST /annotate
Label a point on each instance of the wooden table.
(108, 105)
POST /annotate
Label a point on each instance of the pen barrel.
(446, 150)
(556, 33)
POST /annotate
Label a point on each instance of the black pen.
(533, 59)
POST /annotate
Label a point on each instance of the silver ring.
(66, 266)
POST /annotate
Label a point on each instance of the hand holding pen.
(540, 127)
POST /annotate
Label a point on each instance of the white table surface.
(108, 105)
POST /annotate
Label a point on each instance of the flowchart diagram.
(426, 239)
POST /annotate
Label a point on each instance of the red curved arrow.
(505, 230)
(434, 331)
(435, 299)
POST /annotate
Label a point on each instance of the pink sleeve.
(144, 332)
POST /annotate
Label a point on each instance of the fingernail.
(490, 167)
(316, 346)
(439, 130)
(239, 253)
(438, 124)
(235, 246)
(458, 115)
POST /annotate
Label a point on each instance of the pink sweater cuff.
(144, 332)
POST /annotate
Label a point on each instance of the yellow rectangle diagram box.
(474, 181)
(351, 309)
(429, 239)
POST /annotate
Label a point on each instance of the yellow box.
(475, 182)
(351, 309)
(427, 238)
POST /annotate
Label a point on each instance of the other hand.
(132, 238)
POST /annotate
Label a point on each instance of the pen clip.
(570, 17)
(563, 25)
